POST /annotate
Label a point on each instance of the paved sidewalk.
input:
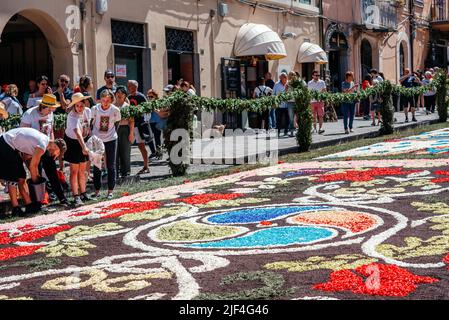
(334, 135)
(219, 150)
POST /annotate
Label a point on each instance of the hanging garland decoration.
(181, 107)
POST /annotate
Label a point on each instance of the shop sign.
(120, 70)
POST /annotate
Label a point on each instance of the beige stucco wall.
(214, 36)
(385, 46)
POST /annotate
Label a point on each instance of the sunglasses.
(110, 77)
(64, 81)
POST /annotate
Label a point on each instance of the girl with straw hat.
(77, 154)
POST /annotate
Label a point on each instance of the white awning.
(311, 53)
(259, 40)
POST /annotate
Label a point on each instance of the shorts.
(375, 107)
(139, 139)
(318, 108)
(12, 168)
(407, 102)
(74, 153)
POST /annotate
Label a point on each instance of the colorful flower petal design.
(273, 237)
(355, 222)
(14, 252)
(256, 215)
(375, 279)
(185, 231)
(363, 175)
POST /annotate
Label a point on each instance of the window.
(128, 33)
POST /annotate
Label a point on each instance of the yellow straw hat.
(49, 101)
(78, 97)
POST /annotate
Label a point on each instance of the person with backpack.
(263, 91)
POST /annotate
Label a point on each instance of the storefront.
(132, 58)
(255, 45)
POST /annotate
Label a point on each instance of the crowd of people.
(95, 135)
(283, 118)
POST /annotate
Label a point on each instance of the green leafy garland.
(304, 116)
(440, 83)
(181, 108)
(387, 110)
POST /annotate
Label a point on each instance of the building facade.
(386, 35)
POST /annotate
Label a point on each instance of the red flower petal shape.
(128, 208)
(206, 198)
(375, 279)
(11, 253)
(5, 238)
(363, 175)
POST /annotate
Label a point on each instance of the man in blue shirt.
(282, 111)
(408, 80)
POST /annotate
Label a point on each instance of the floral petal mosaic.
(428, 143)
(329, 230)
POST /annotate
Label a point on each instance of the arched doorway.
(336, 44)
(24, 53)
(402, 64)
(366, 55)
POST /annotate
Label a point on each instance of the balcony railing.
(440, 11)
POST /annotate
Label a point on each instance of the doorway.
(128, 64)
(182, 61)
(338, 64)
(24, 54)
(366, 55)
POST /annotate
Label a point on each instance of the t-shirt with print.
(78, 121)
(316, 86)
(135, 100)
(26, 140)
(39, 122)
(104, 122)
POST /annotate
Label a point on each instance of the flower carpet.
(315, 230)
(428, 143)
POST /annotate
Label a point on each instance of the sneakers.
(153, 156)
(77, 201)
(85, 198)
(406, 120)
(414, 119)
(17, 211)
(321, 131)
(95, 196)
(351, 130)
(32, 208)
(110, 196)
(346, 131)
